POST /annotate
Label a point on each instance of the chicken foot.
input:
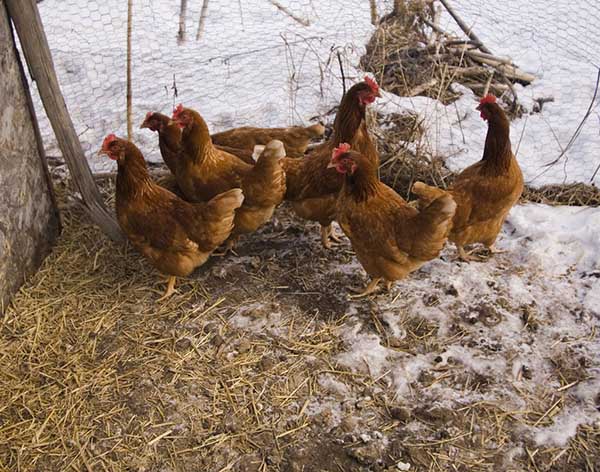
(467, 256)
(492, 249)
(170, 288)
(229, 247)
(372, 287)
(478, 254)
(329, 237)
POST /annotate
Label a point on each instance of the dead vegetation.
(410, 55)
(241, 370)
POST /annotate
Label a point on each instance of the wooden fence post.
(28, 24)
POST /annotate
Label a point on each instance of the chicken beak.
(378, 94)
(331, 165)
(102, 152)
(144, 125)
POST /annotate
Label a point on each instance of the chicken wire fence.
(258, 62)
(558, 43)
(274, 63)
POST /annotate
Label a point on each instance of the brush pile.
(411, 55)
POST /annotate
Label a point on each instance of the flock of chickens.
(224, 190)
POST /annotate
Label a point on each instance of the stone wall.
(28, 217)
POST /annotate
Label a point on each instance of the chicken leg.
(229, 247)
(492, 249)
(466, 256)
(170, 288)
(329, 236)
(369, 289)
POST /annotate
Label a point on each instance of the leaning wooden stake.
(129, 94)
(202, 20)
(182, 15)
(27, 22)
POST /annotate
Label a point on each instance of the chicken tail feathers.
(224, 204)
(426, 193)
(219, 215)
(435, 223)
(316, 131)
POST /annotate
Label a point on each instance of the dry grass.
(235, 372)
(569, 194)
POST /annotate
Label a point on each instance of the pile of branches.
(410, 55)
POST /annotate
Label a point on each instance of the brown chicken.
(204, 171)
(391, 239)
(486, 191)
(169, 140)
(312, 187)
(174, 235)
(295, 138)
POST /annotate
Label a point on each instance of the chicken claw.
(229, 247)
(371, 288)
(494, 250)
(329, 237)
(467, 256)
(170, 288)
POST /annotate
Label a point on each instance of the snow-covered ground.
(524, 324)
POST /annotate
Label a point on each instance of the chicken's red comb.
(108, 140)
(372, 84)
(343, 148)
(489, 98)
(149, 114)
(178, 109)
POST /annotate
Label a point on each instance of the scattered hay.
(569, 194)
(238, 371)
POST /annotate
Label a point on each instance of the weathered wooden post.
(29, 221)
(28, 24)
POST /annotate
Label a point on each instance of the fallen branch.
(279, 6)
(505, 67)
(463, 26)
(421, 88)
(502, 65)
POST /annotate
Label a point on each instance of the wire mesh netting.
(558, 43)
(274, 63)
(263, 63)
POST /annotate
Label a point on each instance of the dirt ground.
(261, 362)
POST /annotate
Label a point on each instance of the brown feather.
(176, 236)
(311, 186)
(390, 238)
